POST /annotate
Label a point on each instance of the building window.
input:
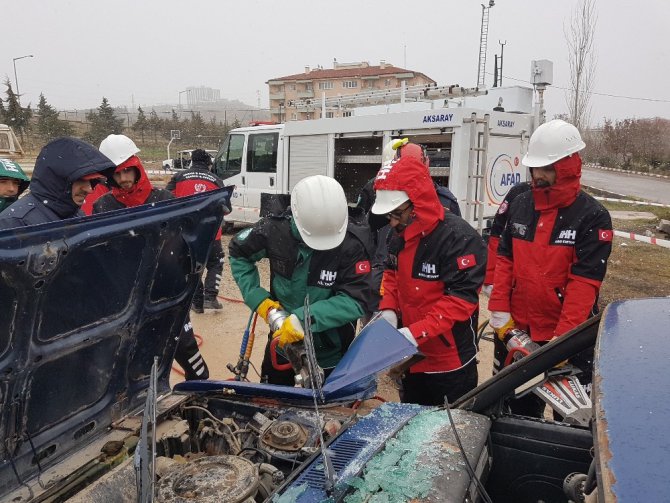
(308, 87)
(329, 115)
(387, 82)
(294, 116)
(349, 84)
(371, 84)
(308, 115)
(293, 87)
(346, 114)
(325, 85)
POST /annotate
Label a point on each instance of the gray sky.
(152, 49)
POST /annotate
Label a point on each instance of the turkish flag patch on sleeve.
(605, 235)
(362, 267)
(466, 261)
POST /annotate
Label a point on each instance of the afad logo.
(503, 174)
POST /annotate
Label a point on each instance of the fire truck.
(475, 152)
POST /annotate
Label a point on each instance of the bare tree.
(579, 35)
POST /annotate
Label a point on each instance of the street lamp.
(16, 80)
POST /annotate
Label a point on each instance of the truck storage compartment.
(357, 160)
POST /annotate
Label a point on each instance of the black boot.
(212, 303)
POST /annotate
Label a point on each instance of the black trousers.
(430, 389)
(188, 355)
(212, 282)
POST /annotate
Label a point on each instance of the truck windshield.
(262, 153)
(229, 161)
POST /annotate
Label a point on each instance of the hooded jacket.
(552, 255)
(433, 273)
(11, 169)
(59, 163)
(142, 192)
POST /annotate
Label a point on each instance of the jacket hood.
(61, 162)
(140, 191)
(410, 175)
(564, 191)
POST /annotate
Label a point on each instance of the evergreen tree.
(49, 125)
(155, 124)
(15, 115)
(2, 112)
(236, 123)
(103, 123)
(141, 124)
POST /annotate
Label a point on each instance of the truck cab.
(248, 159)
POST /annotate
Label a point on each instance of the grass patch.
(636, 270)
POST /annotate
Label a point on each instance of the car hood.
(86, 305)
(377, 347)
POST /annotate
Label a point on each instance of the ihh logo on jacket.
(327, 278)
(428, 271)
(566, 237)
(200, 187)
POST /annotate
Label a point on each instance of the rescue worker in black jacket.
(195, 180)
(130, 187)
(311, 252)
(65, 172)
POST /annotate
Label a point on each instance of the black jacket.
(108, 202)
(61, 162)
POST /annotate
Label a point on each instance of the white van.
(476, 153)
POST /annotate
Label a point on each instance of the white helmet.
(552, 141)
(320, 211)
(388, 200)
(118, 148)
(389, 151)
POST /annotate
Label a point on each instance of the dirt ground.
(222, 332)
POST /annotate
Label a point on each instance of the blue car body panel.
(631, 383)
(86, 305)
(352, 379)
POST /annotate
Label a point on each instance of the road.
(650, 188)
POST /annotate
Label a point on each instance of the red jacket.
(195, 180)
(433, 273)
(499, 224)
(552, 256)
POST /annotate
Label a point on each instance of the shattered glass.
(397, 474)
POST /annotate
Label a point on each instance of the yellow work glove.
(399, 143)
(501, 322)
(264, 308)
(290, 331)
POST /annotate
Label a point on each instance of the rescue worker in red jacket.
(499, 224)
(130, 187)
(199, 178)
(553, 253)
(431, 283)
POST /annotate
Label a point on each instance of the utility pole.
(502, 49)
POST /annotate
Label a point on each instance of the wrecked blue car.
(91, 312)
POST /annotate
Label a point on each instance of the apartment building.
(298, 97)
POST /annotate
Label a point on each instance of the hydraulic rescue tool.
(561, 389)
(295, 353)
